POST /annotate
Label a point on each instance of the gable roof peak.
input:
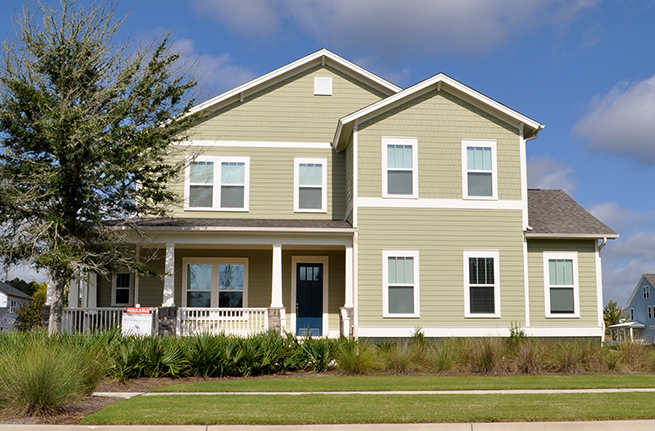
(322, 56)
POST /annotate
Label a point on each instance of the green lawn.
(374, 408)
(407, 383)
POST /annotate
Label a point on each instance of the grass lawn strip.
(382, 408)
(415, 383)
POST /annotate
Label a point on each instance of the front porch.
(235, 282)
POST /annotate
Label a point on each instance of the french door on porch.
(309, 299)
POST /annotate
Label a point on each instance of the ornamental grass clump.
(41, 375)
(355, 357)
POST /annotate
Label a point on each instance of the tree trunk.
(57, 298)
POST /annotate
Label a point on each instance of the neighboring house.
(323, 199)
(640, 313)
(11, 300)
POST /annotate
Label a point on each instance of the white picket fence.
(237, 321)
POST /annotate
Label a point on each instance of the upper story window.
(310, 191)
(122, 289)
(479, 169)
(400, 294)
(400, 167)
(482, 287)
(561, 281)
(646, 291)
(218, 183)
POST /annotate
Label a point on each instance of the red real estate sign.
(138, 310)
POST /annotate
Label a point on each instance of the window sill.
(562, 316)
(480, 198)
(321, 211)
(482, 316)
(399, 196)
(243, 210)
(401, 316)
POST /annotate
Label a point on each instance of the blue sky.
(584, 68)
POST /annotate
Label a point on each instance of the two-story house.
(323, 199)
(639, 314)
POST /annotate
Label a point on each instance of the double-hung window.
(215, 282)
(561, 281)
(218, 183)
(646, 291)
(400, 271)
(310, 185)
(122, 289)
(479, 169)
(399, 167)
(481, 284)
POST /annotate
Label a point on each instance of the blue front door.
(309, 299)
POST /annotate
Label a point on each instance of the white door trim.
(295, 260)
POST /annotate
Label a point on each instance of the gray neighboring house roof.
(553, 214)
(12, 291)
(650, 278)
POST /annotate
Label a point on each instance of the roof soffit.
(441, 82)
(321, 57)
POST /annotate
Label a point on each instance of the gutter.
(603, 244)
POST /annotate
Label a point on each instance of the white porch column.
(276, 285)
(92, 290)
(169, 278)
(349, 277)
(74, 293)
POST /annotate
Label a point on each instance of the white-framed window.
(310, 185)
(215, 282)
(480, 177)
(218, 183)
(561, 284)
(399, 167)
(646, 291)
(322, 86)
(400, 294)
(122, 288)
(632, 314)
(481, 283)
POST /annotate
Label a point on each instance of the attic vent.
(322, 86)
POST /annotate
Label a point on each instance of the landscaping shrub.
(311, 354)
(402, 357)
(355, 356)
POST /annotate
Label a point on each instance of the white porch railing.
(238, 321)
(84, 320)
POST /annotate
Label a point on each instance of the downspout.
(603, 244)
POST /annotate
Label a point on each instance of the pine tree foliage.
(89, 139)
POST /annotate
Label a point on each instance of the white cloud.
(390, 28)
(545, 172)
(621, 122)
(216, 74)
(24, 272)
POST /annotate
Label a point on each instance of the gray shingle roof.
(650, 278)
(12, 291)
(191, 223)
(553, 212)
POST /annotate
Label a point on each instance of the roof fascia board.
(247, 229)
(537, 235)
(442, 82)
(296, 67)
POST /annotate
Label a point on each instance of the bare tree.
(89, 134)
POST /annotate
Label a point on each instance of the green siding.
(349, 175)
(440, 121)
(586, 278)
(272, 184)
(441, 236)
(288, 111)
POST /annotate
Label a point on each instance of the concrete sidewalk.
(503, 426)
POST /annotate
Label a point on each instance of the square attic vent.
(322, 86)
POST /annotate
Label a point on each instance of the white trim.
(566, 255)
(258, 144)
(495, 254)
(276, 283)
(440, 203)
(295, 260)
(485, 143)
(413, 142)
(536, 235)
(215, 262)
(414, 254)
(348, 302)
(479, 331)
(355, 173)
(296, 184)
(217, 184)
(356, 284)
(130, 287)
(524, 177)
(526, 280)
(293, 68)
(634, 292)
(168, 296)
(599, 286)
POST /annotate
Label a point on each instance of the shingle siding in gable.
(440, 121)
(289, 111)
